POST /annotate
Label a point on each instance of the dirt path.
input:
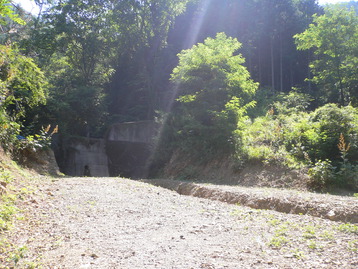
(119, 223)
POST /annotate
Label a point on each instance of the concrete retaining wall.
(124, 151)
(136, 132)
(87, 157)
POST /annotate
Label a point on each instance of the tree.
(23, 85)
(78, 41)
(6, 12)
(334, 38)
(81, 43)
(264, 27)
(214, 91)
(141, 81)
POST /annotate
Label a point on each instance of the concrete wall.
(129, 147)
(88, 152)
(136, 132)
(124, 151)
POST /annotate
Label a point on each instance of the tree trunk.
(281, 67)
(272, 67)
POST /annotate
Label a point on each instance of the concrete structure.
(133, 132)
(86, 157)
(129, 147)
(124, 151)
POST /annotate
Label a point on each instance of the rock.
(331, 215)
(94, 256)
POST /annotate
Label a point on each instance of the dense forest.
(268, 81)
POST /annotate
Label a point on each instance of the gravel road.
(126, 224)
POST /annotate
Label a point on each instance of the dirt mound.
(227, 171)
(42, 161)
(337, 208)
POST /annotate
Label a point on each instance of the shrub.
(325, 140)
(8, 131)
(331, 122)
(215, 91)
(321, 175)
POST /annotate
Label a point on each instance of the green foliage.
(348, 228)
(6, 12)
(35, 142)
(8, 130)
(334, 37)
(278, 241)
(332, 121)
(325, 140)
(7, 210)
(293, 102)
(265, 97)
(78, 42)
(214, 95)
(321, 175)
(213, 66)
(23, 87)
(84, 33)
(22, 83)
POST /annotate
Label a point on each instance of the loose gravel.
(125, 224)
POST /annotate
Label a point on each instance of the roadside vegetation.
(16, 186)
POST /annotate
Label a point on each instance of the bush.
(325, 140)
(321, 175)
(330, 122)
(8, 131)
(215, 91)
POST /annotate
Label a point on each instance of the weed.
(282, 229)
(274, 222)
(23, 193)
(18, 254)
(310, 232)
(298, 254)
(32, 265)
(91, 203)
(236, 212)
(7, 210)
(348, 228)
(328, 235)
(5, 176)
(353, 245)
(278, 241)
(4, 243)
(312, 244)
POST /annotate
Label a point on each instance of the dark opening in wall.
(127, 159)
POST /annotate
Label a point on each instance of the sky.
(31, 7)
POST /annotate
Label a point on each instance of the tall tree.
(214, 90)
(265, 27)
(143, 70)
(78, 41)
(334, 38)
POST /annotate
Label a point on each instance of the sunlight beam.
(191, 39)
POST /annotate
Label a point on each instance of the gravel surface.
(120, 223)
(332, 207)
